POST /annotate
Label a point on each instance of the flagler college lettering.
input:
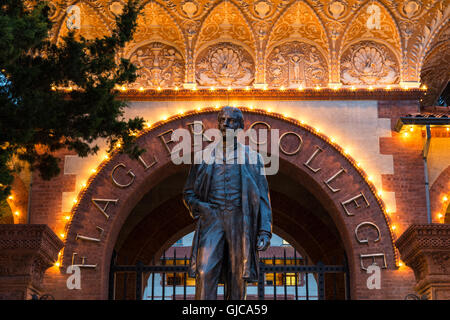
(231, 309)
(123, 177)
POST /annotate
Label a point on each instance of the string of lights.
(346, 152)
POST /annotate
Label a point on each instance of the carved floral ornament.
(262, 9)
(159, 65)
(337, 9)
(369, 63)
(407, 27)
(224, 64)
(189, 8)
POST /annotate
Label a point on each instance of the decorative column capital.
(26, 251)
(426, 249)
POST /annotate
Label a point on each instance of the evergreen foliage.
(37, 119)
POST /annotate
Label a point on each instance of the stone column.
(426, 249)
(26, 251)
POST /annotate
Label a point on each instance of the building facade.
(364, 151)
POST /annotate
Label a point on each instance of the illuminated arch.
(85, 216)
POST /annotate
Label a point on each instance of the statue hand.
(205, 208)
(263, 242)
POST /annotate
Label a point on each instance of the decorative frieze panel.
(155, 23)
(374, 22)
(407, 27)
(160, 65)
(299, 22)
(224, 64)
(369, 63)
(296, 64)
(225, 22)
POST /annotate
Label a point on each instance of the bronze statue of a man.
(230, 202)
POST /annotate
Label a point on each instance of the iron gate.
(171, 275)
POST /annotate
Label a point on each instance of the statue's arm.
(265, 209)
(190, 199)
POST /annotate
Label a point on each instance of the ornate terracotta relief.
(400, 33)
(224, 64)
(225, 22)
(373, 22)
(436, 66)
(369, 63)
(299, 22)
(337, 9)
(412, 9)
(296, 64)
(427, 28)
(155, 24)
(160, 65)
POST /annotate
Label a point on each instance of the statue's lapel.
(204, 174)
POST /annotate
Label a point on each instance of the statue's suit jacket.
(256, 208)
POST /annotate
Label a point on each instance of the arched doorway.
(323, 204)
(160, 218)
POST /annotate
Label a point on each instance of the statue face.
(228, 120)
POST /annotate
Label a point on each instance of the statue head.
(230, 118)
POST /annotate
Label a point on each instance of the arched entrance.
(323, 204)
(160, 218)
